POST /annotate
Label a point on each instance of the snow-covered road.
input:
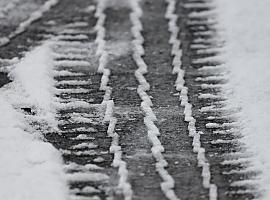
(143, 99)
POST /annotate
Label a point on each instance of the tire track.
(150, 119)
(205, 75)
(82, 136)
(180, 86)
(89, 142)
(104, 117)
(123, 184)
(165, 99)
(130, 126)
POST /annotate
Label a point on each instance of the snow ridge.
(33, 17)
(115, 148)
(167, 186)
(180, 86)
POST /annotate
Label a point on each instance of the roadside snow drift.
(31, 169)
(246, 32)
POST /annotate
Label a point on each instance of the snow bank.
(30, 168)
(247, 57)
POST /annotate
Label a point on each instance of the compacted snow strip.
(115, 148)
(31, 169)
(33, 17)
(180, 86)
(167, 186)
(246, 32)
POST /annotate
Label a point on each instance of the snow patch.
(28, 164)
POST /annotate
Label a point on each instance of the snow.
(87, 177)
(79, 153)
(73, 105)
(207, 60)
(205, 4)
(88, 145)
(77, 25)
(72, 63)
(73, 37)
(246, 32)
(90, 190)
(209, 96)
(211, 86)
(98, 160)
(87, 167)
(36, 11)
(83, 137)
(31, 168)
(72, 44)
(85, 190)
(72, 91)
(83, 129)
(80, 197)
(66, 73)
(35, 16)
(74, 82)
(5, 7)
(77, 55)
(212, 78)
(33, 82)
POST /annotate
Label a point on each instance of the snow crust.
(246, 32)
(31, 169)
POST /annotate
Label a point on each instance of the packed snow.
(246, 32)
(31, 169)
